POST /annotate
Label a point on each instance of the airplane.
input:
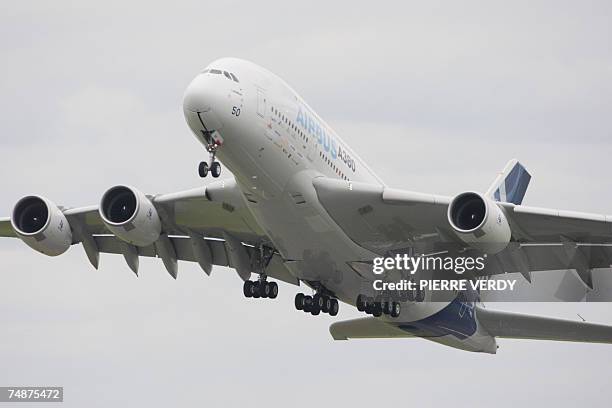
(303, 208)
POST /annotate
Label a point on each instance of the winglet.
(511, 184)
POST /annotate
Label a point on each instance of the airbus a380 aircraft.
(304, 208)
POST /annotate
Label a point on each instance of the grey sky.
(434, 97)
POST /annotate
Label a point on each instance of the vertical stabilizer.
(511, 184)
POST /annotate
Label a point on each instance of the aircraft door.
(261, 102)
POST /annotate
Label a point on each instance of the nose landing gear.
(215, 166)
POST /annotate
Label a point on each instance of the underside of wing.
(209, 225)
(382, 219)
(386, 220)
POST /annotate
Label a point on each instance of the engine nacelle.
(130, 215)
(41, 225)
(479, 222)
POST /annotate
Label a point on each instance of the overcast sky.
(435, 97)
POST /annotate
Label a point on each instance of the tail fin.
(511, 184)
(520, 326)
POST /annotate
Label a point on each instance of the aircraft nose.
(200, 94)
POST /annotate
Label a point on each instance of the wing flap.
(184, 252)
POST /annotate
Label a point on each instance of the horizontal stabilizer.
(365, 328)
(520, 326)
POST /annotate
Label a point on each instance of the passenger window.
(227, 75)
(215, 71)
(234, 77)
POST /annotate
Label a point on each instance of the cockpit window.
(227, 74)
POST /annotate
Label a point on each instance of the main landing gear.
(378, 308)
(260, 288)
(215, 166)
(317, 304)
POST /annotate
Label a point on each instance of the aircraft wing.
(5, 228)
(386, 220)
(209, 225)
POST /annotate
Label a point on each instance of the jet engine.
(41, 225)
(479, 222)
(130, 215)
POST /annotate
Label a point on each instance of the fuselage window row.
(284, 119)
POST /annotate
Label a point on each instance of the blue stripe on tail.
(513, 185)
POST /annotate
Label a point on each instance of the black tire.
(315, 310)
(256, 290)
(397, 308)
(307, 303)
(377, 312)
(328, 304)
(265, 289)
(246, 288)
(215, 169)
(299, 301)
(335, 307)
(319, 301)
(387, 308)
(361, 303)
(273, 290)
(203, 169)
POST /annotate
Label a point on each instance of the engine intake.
(479, 222)
(130, 215)
(41, 225)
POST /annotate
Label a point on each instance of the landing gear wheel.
(387, 308)
(203, 169)
(273, 290)
(308, 305)
(299, 301)
(315, 310)
(255, 290)
(266, 289)
(334, 307)
(215, 169)
(327, 307)
(318, 301)
(377, 312)
(361, 303)
(247, 289)
(396, 310)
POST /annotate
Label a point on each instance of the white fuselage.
(275, 145)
